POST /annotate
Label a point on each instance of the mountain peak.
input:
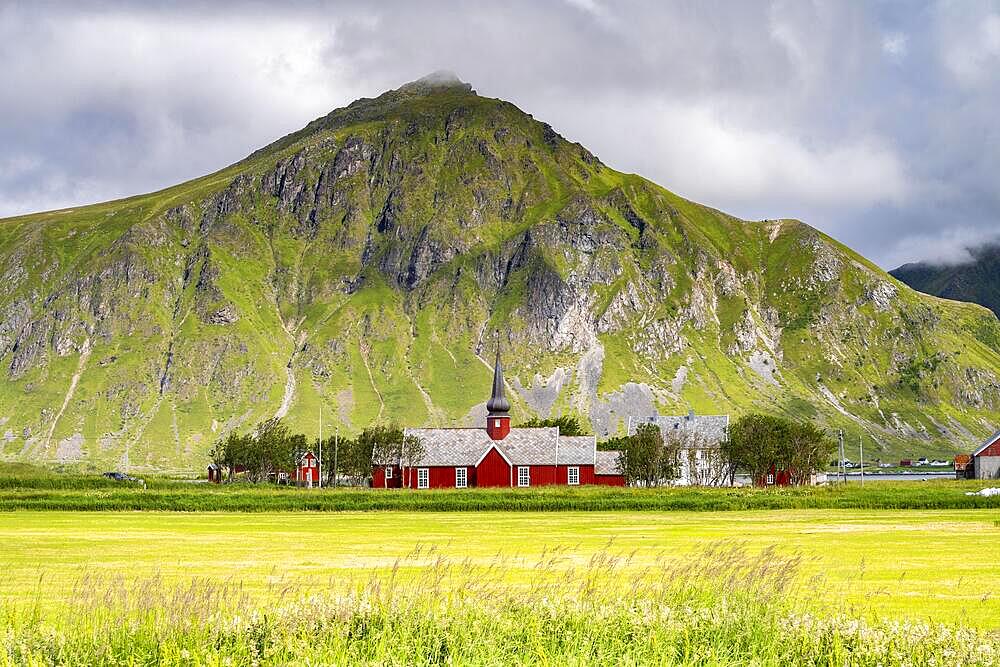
(436, 80)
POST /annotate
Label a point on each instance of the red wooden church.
(501, 456)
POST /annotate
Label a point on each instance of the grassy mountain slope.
(977, 280)
(362, 263)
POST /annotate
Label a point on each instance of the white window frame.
(524, 476)
(423, 478)
(388, 472)
(573, 476)
(461, 478)
(496, 423)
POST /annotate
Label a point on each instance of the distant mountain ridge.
(355, 267)
(976, 280)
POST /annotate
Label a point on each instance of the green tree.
(810, 449)
(270, 450)
(568, 424)
(230, 452)
(377, 445)
(757, 442)
(411, 452)
(616, 443)
(641, 461)
(267, 449)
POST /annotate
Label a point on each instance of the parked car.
(122, 477)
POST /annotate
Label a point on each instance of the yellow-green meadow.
(935, 565)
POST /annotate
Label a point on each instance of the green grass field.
(178, 573)
(916, 565)
(32, 490)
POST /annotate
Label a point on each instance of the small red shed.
(215, 473)
(774, 477)
(307, 471)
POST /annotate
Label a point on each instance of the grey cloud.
(871, 121)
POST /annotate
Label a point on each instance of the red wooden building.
(307, 471)
(985, 463)
(607, 470)
(501, 456)
(774, 477)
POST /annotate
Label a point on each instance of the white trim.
(527, 474)
(499, 451)
(388, 472)
(993, 439)
(423, 478)
(569, 475)
(465, 477)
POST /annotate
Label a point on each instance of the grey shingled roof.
(522, 446)
(530, 446)
(577, 449)
(992, 439)
(607, 463)
(713, 428)
(451, 446)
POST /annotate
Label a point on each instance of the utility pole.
(840, 463)
(321, 445)
(861, 452)
(336, 446)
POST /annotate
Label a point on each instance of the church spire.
(498, 403)
(498, 419)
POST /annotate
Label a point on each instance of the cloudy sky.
(874, 121)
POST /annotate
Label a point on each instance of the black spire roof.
(498, 404)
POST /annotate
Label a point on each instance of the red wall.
(378, 478)
(781, 478)
(548, 475)
(992, 450)
(441, 477)
(303, 473)
(498, 432)
(493, 471)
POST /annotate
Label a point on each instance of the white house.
(698, 438)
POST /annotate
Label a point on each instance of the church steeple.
(498, 419)
(498, 403)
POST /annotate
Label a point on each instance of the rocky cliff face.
(358, 266)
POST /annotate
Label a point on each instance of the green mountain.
(976, 280)
(361, 265)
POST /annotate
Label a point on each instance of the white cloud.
(972, 53)
(895, 45)
(945, 246)
(158, 101)
(754, 171)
